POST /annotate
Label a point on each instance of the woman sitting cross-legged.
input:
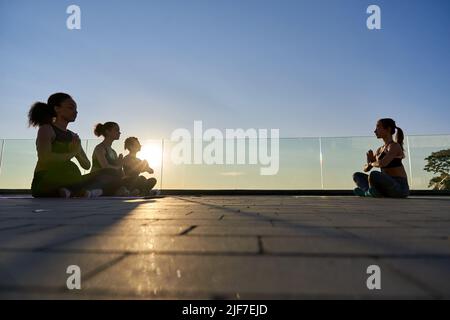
(55, 174)
(105, 157)
(133, 167)
(392, 180)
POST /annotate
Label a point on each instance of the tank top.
(62, 141)
(110, 155)
(60, 144)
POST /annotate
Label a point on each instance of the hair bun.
(101, 128)
(98, 130)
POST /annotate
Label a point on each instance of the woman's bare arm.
(147, 167)
(81, 155)
(100, 155)
(378, 153)
(392, 152)
(135, 164)
(44, 141)
(83, 159)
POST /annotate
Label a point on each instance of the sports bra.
(62, 141)
(395, 163)
(110, 155)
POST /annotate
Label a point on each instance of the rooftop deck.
(231, 247)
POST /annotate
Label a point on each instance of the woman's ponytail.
(40, 113)
(389, 123)
(43, 113)
(399, 137)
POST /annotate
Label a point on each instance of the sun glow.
(152, 153)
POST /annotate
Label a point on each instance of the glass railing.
(304, 163)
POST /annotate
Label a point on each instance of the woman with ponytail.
(392, 180)
(105, 157)
(55, 174)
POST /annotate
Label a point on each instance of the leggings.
(140, 183)
(382, 184)
(67, 175)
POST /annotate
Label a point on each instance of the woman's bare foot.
(94, 193)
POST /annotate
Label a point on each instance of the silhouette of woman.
(105, 157)
(133, 167)
(392, 180)
(55, 174)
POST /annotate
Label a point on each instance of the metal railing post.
(1, 154)
(321, 161)
(162, 165)
(409, 162)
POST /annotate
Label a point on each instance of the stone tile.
(13, 225)
(36, 240)
(218, 223)
(249, 277)
(181, 216)
(351, 246)
(147, 230)
(428, 224)
(163, 244)
(226, 246)
(319, 246)
(431, 274)
(372, 223)
(45, 270)
(399, 232)
(268, 231)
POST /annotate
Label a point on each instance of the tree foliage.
(439, 163)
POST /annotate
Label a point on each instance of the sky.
(306, 67)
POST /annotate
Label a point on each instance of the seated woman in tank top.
(392, 180)
(105, 157)
(55, 174)
(133, 167)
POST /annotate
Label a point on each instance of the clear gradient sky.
(307, 67)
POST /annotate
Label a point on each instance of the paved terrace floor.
(225, 247)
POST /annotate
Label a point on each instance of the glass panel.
(344, 156)
(1, 155)
(195, 176)
(298, 168)
(18, 162)
(300, 165)
(151, 151)
(420, 148)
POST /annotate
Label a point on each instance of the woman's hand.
(370, 156)
(120, 160)
(367, 167)
(79, 153)
(147, 167)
